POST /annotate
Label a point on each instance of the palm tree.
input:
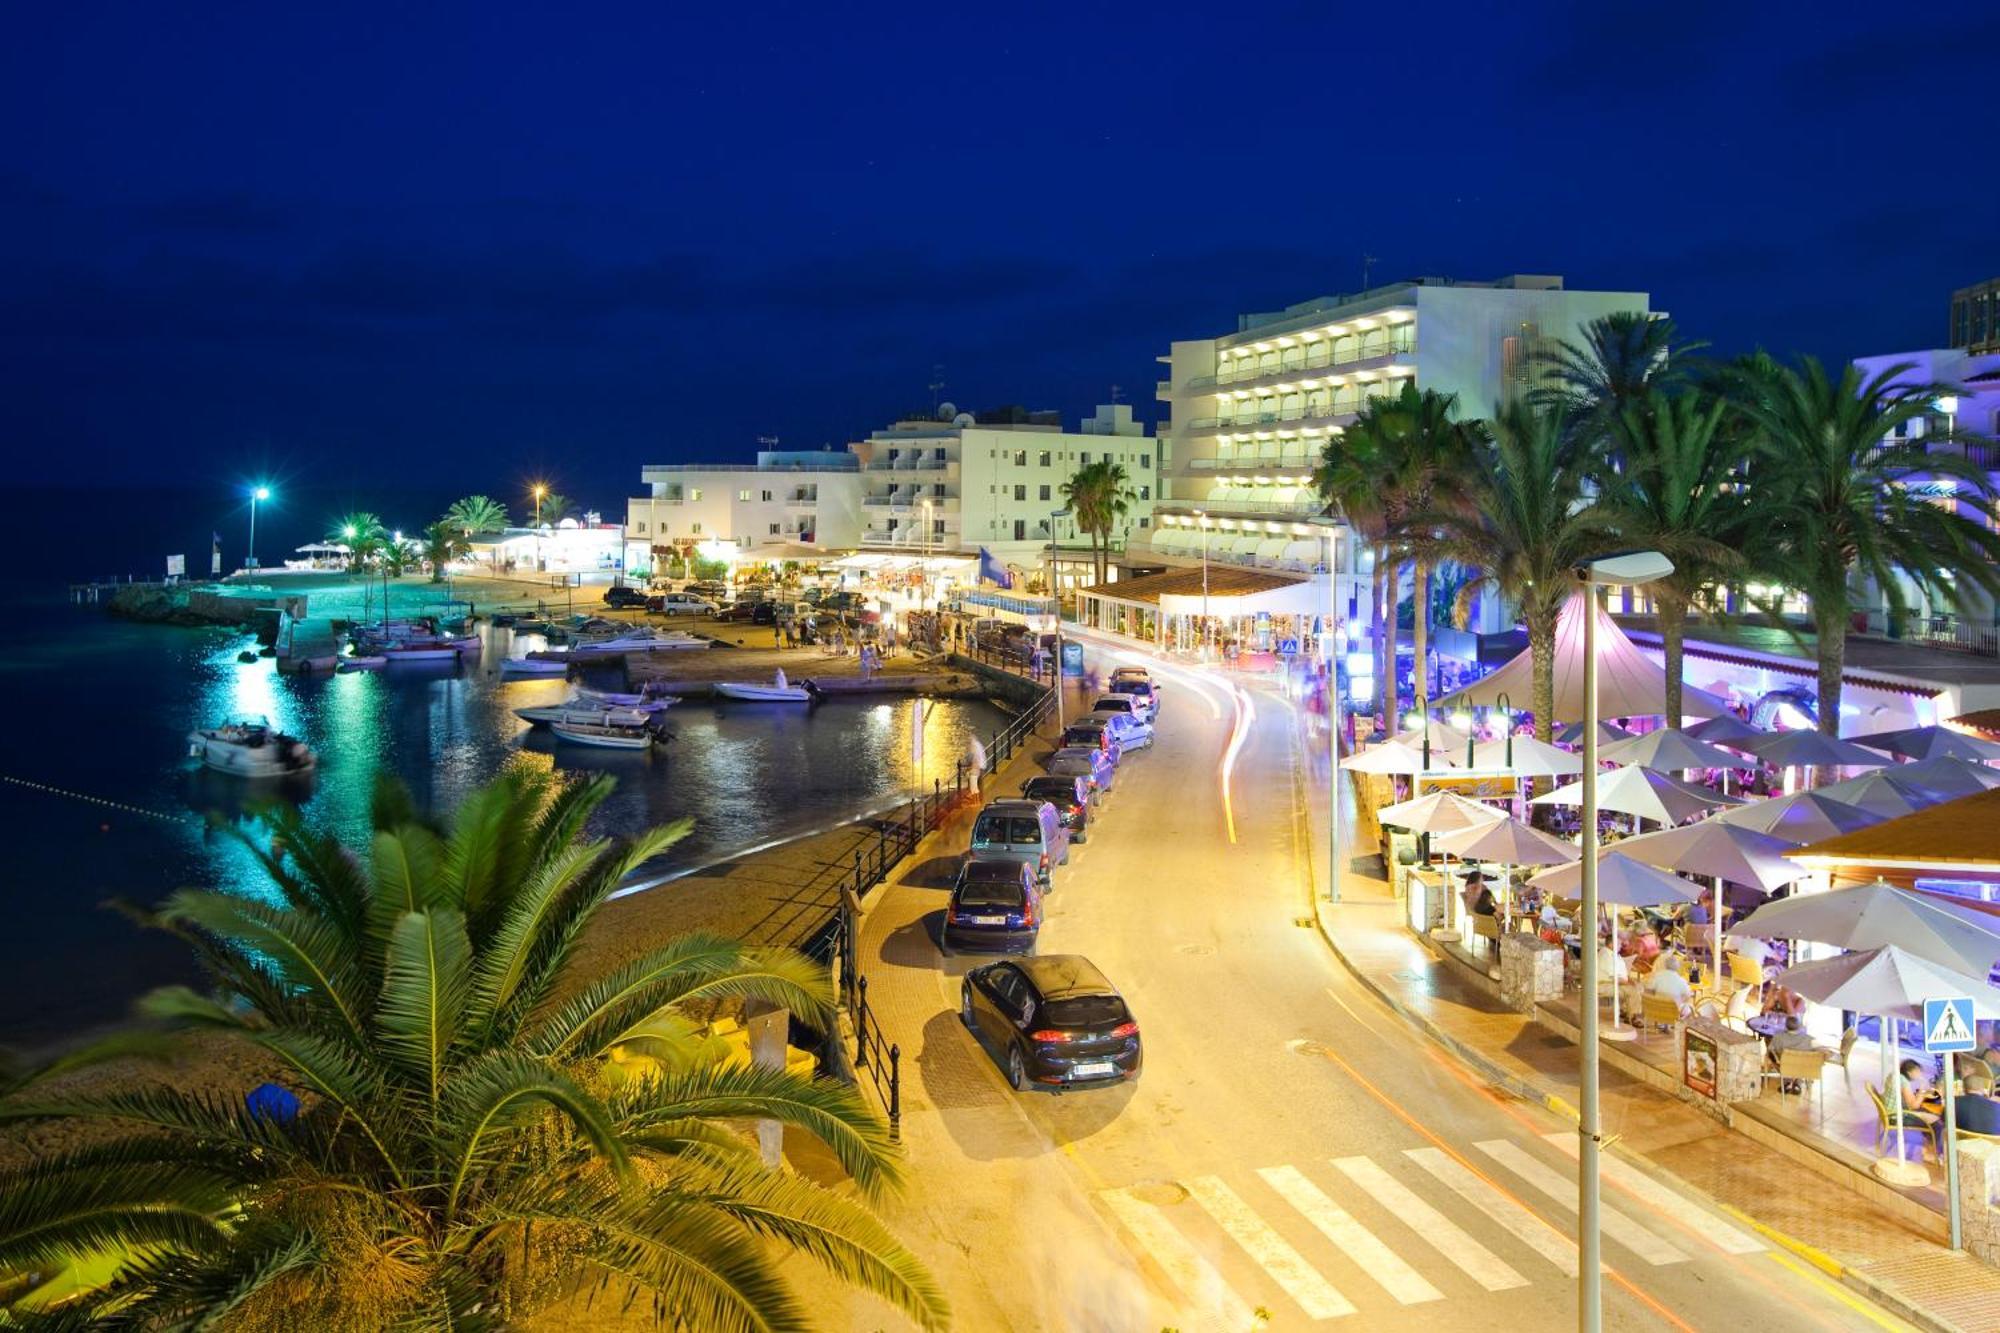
(1621, 358)
(456, 1152)
(1526, 523)
(552, 509)
(1681, 492)
(444, 542)
(476, 514)
(1346, 479)
(1835, 496)
(1099, 495)
(362, 534)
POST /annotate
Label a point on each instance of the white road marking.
(1273, 1253)
(1616, 1225)
(1355, 1241)
(1200, 1284)
(1698, 1219)
(1517, 1221)
(1477, 1262)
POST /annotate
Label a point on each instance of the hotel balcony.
(1303, 505)
(1397, 346)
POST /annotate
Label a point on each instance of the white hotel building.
(788, 505)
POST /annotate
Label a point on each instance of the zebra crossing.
(1348, 1234)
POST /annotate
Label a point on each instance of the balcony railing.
(1334, 411)
(1303, 506)
(1250, 462)
(1324, 358)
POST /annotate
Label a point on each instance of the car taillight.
(1028, 912)
(1048, 1035)
(1045, 861)
(1125, 1030)
(951, 916)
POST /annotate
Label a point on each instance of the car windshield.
(1053, 791)
(1084, 1011)
(979, 889)
(1010, 829)
(1111, 704)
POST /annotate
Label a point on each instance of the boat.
(420, 652)
(608, 735)
(778, 691)
(572, 710)
(644, 639)
(363, 662)
(251, 748)
(649, 700)
(533, 666)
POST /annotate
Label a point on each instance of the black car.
(995, 906)
(1055, 1021)
(756, 613)
(622, 597)
(1070, 797)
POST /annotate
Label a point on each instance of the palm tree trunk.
(1385, 641)
(1830, 627)
(1542, 657)
(1673, 630)
(1420, 628)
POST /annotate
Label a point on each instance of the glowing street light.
(256, 494)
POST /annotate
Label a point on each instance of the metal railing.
(871, 1050)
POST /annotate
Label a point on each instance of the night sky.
(459, 246)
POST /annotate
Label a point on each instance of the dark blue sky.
(456, 246)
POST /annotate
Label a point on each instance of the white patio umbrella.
(1932, 743)
(1394, 757)
(1876, 794)
(1530, 758)
(1439, 812)
(1607, 732)
(1891, 983)
(1621, 882)
(1721, 852)
(1670, 751)
(1946, 776)
(1809, 749)
(1725, 730)
(1641, 792)
(1869, 916)
(1510, 843)
(1444, 740)
(1801, 818)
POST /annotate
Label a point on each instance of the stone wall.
(1739, 1059)
(1531, 970)
(1979, 1198)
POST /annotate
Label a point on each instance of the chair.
(1800, 1067)
(1745, 971)
(1885, 1124)
(1661, 1011)
(1839, 1061)
(1710, 1008)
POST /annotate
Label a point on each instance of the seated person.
(1976, 1109)
(1918, 1107)
(1793, 1038)
(1988, 1055)
(1666, 979)
(1743, 1004)
(1483, 902)
(1789, 1003)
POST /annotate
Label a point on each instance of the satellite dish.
(946, 411)
(962, 420)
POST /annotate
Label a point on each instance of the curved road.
(1293, 1155)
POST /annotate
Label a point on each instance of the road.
(1293, 1155)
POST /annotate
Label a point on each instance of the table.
(1766, 1025)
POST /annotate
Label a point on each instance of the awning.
(1955, 835)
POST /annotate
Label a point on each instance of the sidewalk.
(1846, 1236)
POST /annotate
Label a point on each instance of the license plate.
(987, 920)
(1092, 1069)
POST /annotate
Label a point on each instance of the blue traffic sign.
(1948, 1025)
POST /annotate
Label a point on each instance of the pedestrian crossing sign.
(1948, 1025)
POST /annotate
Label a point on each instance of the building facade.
(789, 504)
(1975, 318)
(956, 481)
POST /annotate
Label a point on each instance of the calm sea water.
(99, 709)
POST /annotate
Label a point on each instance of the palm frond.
(316, 956)
(425, 985)
(504, 1090)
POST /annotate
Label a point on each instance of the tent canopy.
(1633, 790)
(1629, 684)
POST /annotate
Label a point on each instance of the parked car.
(1093, 731)
(840, 601)
(708, 590)
(1028, 832)
(1131, 731)
(1070, 797)
(624, 597)
(1115, 703)
(1134, 673)
(1145, 700)
(681, 604)
(754, 613)
(1054, 1020)
(995, 906)
(1084, 761)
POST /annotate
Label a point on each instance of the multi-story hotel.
(788, 505)
(1251, 411)
(957, 481)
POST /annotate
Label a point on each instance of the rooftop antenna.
(1117, 391)
(768, 441)
(1367, 264)
(937, 387)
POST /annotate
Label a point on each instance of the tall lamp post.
(538, 490)
(1201, 640)
(1628, 569)
(256, 494)
(1055, 600)
(1333, 850)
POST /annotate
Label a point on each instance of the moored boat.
(608, 735)
(362, 662)
(646, 701)
(574, 710)
(251, 748)
(778, 691)
(533, 666)
(420, 652)
(641, 640)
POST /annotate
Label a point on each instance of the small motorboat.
(251, 748)
(641, 640)
(609, 735)
(575, 710)
(778, 691)
(362, 662)
(648, 700)
(533, 666)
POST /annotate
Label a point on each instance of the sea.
(99, 802)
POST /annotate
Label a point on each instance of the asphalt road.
(1293, 1155)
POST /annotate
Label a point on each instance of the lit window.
(1045, 463)
(743, 495)
(694, 495)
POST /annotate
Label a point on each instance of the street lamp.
(1201, 517)
(256, 494)
(538, 490)
(1055, 599)
(1627, 569)
(1333, 656)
